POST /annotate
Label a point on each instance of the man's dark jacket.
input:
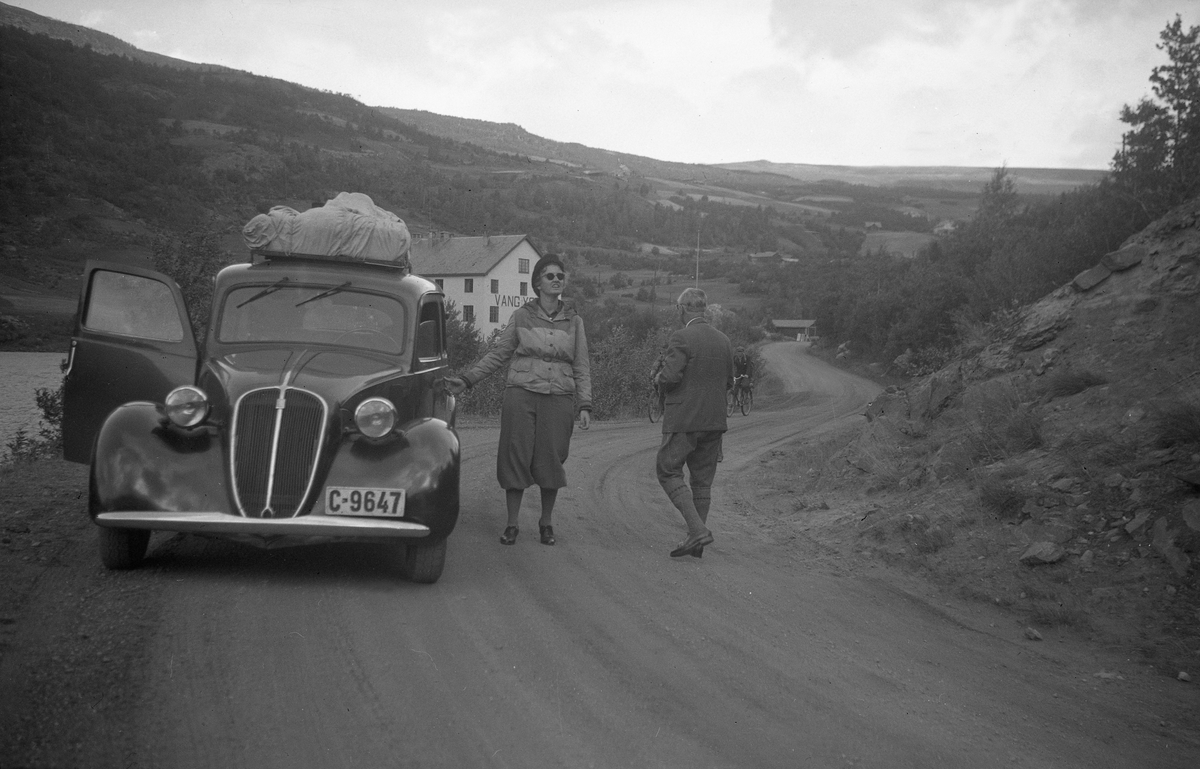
(698, 369)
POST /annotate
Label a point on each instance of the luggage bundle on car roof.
(348, 227)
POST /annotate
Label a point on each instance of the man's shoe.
(698, 552)
(691, 545)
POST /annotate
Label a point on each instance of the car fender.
(143, 462)
(422, 457)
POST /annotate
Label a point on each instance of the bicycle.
(740, 397)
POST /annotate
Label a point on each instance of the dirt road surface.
(603, 651)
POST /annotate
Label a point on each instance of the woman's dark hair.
(542, 264)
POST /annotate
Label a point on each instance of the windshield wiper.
(323, 294)
(268, 290)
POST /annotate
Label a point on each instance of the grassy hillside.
(1038, 181)
(1053, 468)
(109, 154)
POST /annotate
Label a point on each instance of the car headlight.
(186, 406)
(375, 417)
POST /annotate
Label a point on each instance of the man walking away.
(696, 373)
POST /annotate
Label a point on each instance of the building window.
(524, 289)
(468, 285)
(493, 314)
(523, 266)
(440, 284)
(495, 286)
(468, 312)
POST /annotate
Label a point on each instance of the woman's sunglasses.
(554, 275)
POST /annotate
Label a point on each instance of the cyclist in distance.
(741, 369)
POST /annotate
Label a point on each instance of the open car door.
(132, 342)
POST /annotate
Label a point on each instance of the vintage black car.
(314, 410)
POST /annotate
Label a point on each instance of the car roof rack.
(259, 255)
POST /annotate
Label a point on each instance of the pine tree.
(1159, 160)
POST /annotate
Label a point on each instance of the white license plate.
(364, 501)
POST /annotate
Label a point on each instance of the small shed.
(805, 330)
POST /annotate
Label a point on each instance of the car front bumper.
(238, 527)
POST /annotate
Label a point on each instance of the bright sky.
(1030, 83)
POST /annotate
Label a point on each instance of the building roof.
(793, 323)
(462, 255)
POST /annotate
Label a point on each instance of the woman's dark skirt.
(535, 437)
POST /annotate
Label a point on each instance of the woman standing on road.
(549, 380)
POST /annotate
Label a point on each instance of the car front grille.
(285, 425)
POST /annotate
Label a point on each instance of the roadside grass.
(1001, 422)
(807, 463)
(36, 331)
(1089, 451)
(1046, 600)
(1001, 446)
(927, 536)
(768, 385)
(998, 495)
(974, 334)
(1177, 422)
(1067, 382)
(927, 524)
(47, 443)
(1058, 614)
(881, 464)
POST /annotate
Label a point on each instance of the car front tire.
(123, 548)
(424, 561)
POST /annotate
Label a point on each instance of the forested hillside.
(103, 152)
(179, 148)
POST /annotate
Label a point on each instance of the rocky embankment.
(1056, 468)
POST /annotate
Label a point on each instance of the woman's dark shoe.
(547, 533)
(509, 537)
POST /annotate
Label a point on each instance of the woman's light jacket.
(545, 354)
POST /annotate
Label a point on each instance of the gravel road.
(602, 651)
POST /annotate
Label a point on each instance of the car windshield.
(293, 313)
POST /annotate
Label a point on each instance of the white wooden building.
(486, 276)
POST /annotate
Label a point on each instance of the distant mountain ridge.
(1031, 180)
(510, 138)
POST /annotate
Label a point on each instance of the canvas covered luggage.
(348, 226)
